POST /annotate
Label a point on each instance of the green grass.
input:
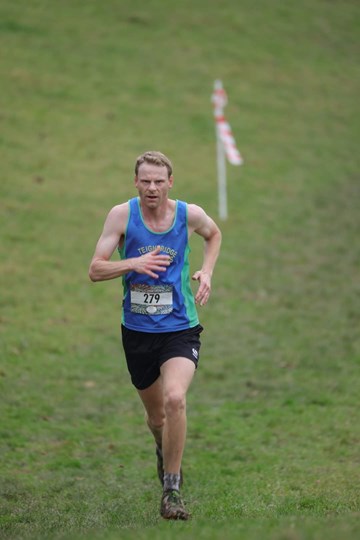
(273, 435)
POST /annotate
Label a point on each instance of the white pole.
(221, 168)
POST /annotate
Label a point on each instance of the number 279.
(151, 298)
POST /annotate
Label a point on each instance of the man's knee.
(175, 402)
(156, 419)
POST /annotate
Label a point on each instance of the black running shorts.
(146, 352)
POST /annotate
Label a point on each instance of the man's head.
(154, 158)
(153, 179)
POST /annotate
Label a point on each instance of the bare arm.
(200, 223)
(102, 268)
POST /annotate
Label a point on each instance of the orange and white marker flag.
(219, 99)
(226, 145)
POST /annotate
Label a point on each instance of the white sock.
(171, 481)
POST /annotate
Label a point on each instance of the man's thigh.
(177, 374)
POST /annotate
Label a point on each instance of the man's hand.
(203, 293)
(151, 262)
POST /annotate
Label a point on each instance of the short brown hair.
(155, 158)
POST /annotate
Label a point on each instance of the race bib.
(151, 299)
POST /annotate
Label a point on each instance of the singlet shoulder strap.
(181, 212)
(134, 211)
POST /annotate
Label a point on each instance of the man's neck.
(161, 218)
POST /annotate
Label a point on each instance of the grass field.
(274, 424)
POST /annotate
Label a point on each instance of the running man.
(160, 325)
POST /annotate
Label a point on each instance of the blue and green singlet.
(165, 304)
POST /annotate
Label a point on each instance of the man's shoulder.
(198, 219)
(119, 214)
(119, 209)
(195, 212)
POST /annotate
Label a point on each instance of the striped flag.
(225, 144)
(219, 100)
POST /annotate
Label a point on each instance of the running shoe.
(172, 506)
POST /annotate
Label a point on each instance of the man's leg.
(165, 405)
(176, 374)
(152, 398)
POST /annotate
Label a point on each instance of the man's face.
(153, 184)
